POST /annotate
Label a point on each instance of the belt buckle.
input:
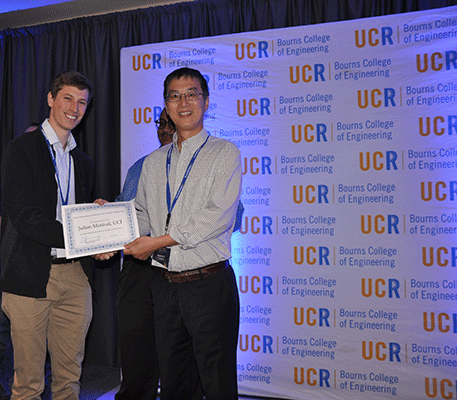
(182, 277)
(171, 277)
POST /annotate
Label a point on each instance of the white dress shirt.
(203, 217)
(62, 158)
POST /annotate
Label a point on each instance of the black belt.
(193, 274)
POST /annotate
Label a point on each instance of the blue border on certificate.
(71, 248)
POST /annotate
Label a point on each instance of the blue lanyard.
(64, 200)
(170, 205)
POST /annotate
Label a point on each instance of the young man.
(187, 201)
(6, 347)
(46, 297)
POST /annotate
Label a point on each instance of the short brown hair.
(70, 78)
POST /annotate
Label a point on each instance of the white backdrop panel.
(347, 255)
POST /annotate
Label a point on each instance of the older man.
(187, 201)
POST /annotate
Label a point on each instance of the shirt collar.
(192, 143)
(53, 139)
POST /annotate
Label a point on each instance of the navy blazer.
(29, 200)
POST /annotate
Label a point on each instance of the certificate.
(92, 229)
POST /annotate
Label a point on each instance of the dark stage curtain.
(30, 57)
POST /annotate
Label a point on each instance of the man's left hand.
(141, 247)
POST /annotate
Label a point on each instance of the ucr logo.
(313, 255)
(373, 37)
(307, 73)
(251, 50)
(376, 224)
(253, 106)
(251, 165)
(146, 61)
(378, 160)
(256, 343)
(438, 191)
(146, 115)
(440, 254)
(313, 316)
(380, 351)
(442, 321)
(252, 284)
(312, 374)
(374, 97)
(436, 61)
(425, 128)
(255, 226)
(379, 288)
(310, 133)
(310, 194)
(447, 391)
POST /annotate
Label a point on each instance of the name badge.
(162, 256)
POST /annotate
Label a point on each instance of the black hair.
(186, 73)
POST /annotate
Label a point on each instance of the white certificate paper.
(93, 229)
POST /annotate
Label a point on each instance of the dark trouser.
(6, 355)
(139, 365)
(200, 320)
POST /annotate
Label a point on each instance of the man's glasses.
(162, 123)
(191, 95)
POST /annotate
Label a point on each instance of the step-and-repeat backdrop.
(347, 256)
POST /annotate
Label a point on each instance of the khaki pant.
(58, 323)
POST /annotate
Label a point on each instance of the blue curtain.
(30, 57)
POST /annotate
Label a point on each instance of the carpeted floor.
(101, 383)
(96, 381)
